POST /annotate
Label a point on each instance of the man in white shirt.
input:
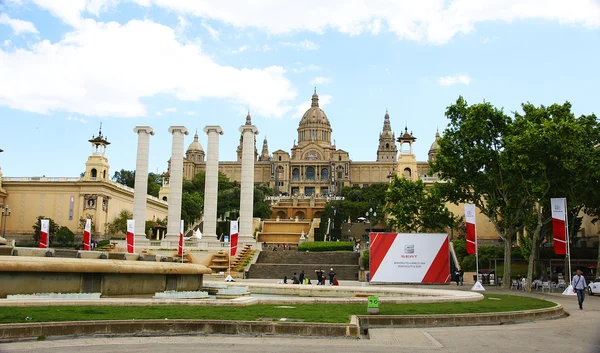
(579, 285)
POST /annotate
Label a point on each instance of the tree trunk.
(534, 248)
(507, 262)
(598, 264)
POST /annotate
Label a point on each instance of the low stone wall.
(343, 272)
(298, 257)
(276, 264)
(177, 326)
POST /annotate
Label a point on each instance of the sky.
(66, 66)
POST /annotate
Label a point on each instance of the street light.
(370, 213)
(5, 213)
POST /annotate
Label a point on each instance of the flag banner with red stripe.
(409, 258)
(559, 217)
(130, 236)
(180, 248)
(471, 235)
(233, 237)
(44, 231)
(87, 234)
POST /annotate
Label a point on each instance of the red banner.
(87, 234)
(471, 235)
(44, 231)
(180, 248)
(130, 236)
(233, 237)
(558, 225)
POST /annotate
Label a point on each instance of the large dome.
(195, 146)
(314, 115)
(434, 146)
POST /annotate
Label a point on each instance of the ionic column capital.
(252, 128)
(145, 129)
(213, 128)
(182, 129)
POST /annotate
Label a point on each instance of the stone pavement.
(575, 333)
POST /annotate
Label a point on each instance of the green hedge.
(318, 246)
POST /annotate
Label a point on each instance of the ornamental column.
(176, 180)
(140, 193)
(247, 188)
(211, 183)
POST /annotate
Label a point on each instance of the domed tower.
(387, 150)
(97, 167)
(407, 161)
(195, 152)
(240, 147)
(264, 155)
(314, 126)
(434, 147)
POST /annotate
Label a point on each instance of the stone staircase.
(219, 262)
(241, 257)
(276, 264)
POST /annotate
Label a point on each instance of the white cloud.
(213, 32)
(182, 24)
(190, 113)
(299, 68)
(485, 40)
(266, 48)
(241, 49)
(453, 80)
(106, 69)
(18, 26)
(303, 45)
(321, 80)
(73, 118)
(300, 109)
(159, 113)
(170, 110)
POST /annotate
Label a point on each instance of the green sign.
(373, 302)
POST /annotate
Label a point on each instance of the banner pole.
(567, 239)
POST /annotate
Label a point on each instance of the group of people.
(302, 278)
(458, 276)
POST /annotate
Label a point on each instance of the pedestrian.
(579, 285)
(335, 281)
(457, 277)
(295, 279)
(331, 275)
(461, 274)
(319, 274)
(284, 279)
(301, 277)
(519, 281)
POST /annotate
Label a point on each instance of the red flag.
(130, 235)
(471, 235)
(233, 238)
(558, 225)
(44, 230)
(87, 234)
(180, 248)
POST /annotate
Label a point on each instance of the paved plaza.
(575, 333)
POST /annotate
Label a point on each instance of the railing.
(44, 179)
(304, 197)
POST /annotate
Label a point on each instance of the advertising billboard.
(409, 258)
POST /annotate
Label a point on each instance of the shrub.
(319, 246)
(365, 259)
(64, 236)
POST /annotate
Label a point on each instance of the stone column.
(211, 183)
(247, 187)
(141, 179)
(175, 181)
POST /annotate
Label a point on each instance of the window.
(279, 158)
(296, 174)
(387, 146)
(407, 173)
(324, 174)
(94, 173)
(340, 158)
(310, 173)
(339, 175)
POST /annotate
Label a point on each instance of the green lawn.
(333, 313)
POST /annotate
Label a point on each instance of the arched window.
(104, 174)
(324, 174)
(94, 173)
(387, 146)
(296, 174)
(340, 158)
(164, 198)
(280, 158)
(310, 173)
(407, 173)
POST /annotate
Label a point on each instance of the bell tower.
(97, 167)
(387, 150)
(407, 161)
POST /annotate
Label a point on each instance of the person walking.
(461, 274)
(331, 275)
(301, 277)
(579, 288)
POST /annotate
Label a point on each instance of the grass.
(327, 313)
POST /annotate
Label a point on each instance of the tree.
(83, 220)
(469, 160)
(119, 224)
(154, 184)
(413, 208)
(65, 236)
(52, 229)
(191, 207)
(125, 177)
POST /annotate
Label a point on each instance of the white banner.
(45, 226)
(558, 209)
(88, 226)
(470, 213)
(131, 226)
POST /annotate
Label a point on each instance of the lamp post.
(370, 213)
(5, 213)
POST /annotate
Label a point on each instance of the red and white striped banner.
(233, 238)
(180, 248)
(44, 231)
(87, 234)
(559, 217)
(471, 235)
(130, 236)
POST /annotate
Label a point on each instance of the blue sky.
(66, 66)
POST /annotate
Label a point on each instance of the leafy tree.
(125, 177)
(52, 229)
(65, 236)
(154, 184)
(82, 221)
(191, 207)
(470, 161)
(414, 208)
(119, 224)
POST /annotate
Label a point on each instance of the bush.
(64, 236)
(365, 259)
(319, 246)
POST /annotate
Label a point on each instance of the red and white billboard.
(409, 258)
